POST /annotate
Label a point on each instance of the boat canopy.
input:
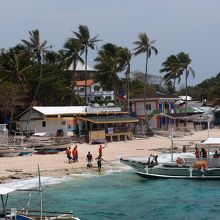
(6, 190)
(211, 141)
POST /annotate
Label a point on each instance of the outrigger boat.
(182, 168)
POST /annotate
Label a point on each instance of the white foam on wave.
(34, 182)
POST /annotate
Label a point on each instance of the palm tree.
(71, 51)
(12, 66)
(108, 66)
(83, 36)
(185, 61)
(171, 66)
(37, 49)
(125, 56)
(145, 45)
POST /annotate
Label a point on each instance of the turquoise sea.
(124, 195)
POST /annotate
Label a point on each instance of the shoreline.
(56, 165)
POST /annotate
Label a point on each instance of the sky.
(190, 26)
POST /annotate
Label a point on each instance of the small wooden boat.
(47, 151)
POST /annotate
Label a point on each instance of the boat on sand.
(182, 168)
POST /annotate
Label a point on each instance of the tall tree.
(37, 49)
(71, 51)
(83, 36)
(172, 68)
(145, 46)
(185, 61)
(125, 56)
(108, 66)
(13, 68)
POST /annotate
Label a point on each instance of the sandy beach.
(56, 165)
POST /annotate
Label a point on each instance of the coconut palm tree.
(184, 62)
(37, 49)
(171, 66)
(72, 51)
(145, 45)
(125, 56)
(15, 71)
(107, 65)
(83, 36)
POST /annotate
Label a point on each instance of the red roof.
(83, 82)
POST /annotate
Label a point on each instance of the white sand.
(57, 164)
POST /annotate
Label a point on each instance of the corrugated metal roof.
(60, 110)
(69, 110)
(211, 141)
(81, 67)
(110, 119)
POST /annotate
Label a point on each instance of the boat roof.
(6, 190)
(211, 141)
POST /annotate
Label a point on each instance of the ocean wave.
(34, 182)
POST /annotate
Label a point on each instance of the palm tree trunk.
(174, 84)
(38, 86)
(73, 82)
(186, 94)
(128, 87)
(86, 54)
(145, 88)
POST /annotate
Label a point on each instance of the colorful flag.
(122, 94)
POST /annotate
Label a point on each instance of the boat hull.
(172, 170)
(159, 176)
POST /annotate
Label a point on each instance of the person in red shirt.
(75, 154)
(197, 153)
(100, 150)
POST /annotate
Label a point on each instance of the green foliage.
(207, 89)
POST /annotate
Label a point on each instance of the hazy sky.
(191, 26)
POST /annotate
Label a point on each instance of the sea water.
(124, 195)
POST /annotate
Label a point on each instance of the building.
(80, 71)
(102, 123)
(94, 91)
(159, 109)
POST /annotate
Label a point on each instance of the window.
(97, 98)
(166, 106)
(108, 98)
(96, 88)
(43, 123)
(148, 106)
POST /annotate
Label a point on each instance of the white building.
(58, 119)
(94, 91)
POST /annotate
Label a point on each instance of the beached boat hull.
(180, 174)
(172, 170)
(137, 165)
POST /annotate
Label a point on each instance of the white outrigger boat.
(182, 168)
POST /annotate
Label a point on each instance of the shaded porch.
(108, 128)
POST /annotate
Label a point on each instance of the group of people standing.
(89, 159)
(72, 155)
(200, 154)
